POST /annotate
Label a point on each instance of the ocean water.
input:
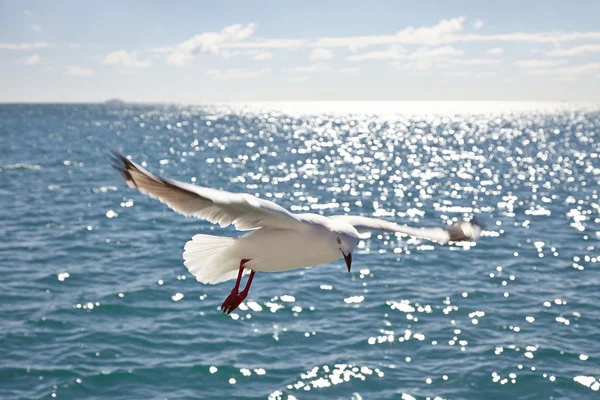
(95, 301)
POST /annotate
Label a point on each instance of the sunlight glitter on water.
(529, 304)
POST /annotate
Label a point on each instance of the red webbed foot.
(232, 302)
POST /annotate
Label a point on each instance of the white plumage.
(279, 240)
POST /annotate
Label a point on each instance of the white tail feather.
(207, 258)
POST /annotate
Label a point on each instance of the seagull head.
(346, 239)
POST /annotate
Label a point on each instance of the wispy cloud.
(575, 51)
(239, 39)
(126, 60)
(449, 31)
(237, 73)
(268, 44)
(310, 69)
(23, 46)
(439, 52)
(495, 51)
(207, 42)
(539, 37)
(320, 54)
(32, 60)
(36, 27)
(178, 58)
(76, 70)
(392, 53)
(537, 63)
(566, 71)
(257, 55)
(474, 61)
(429, 62)
(431, 35)
(444, 56)
(414, 65)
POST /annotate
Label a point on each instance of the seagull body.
(278, 240)
(313, 241)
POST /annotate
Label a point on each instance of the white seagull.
(278, 241)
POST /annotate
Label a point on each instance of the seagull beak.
(348, 259)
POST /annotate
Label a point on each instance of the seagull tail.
(207, 258)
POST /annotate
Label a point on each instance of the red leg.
(239, 277)
(235, 299)
(247, 288)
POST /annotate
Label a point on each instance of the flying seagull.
(278, 240)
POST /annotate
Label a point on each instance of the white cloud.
(426, 58)
(178, 58)
(125, 59)
(263, 55)
(575, 51)
(32, 60)
(310, 69)
(392, 53)
(210, 42)
(36, 27)
(432, 35)
(442, 62)
(474, 61)
(495, 51)
(537, 63)
(439, 52)
(76, 70)
(539, 37)
(320, 53)
(565, 71)
(418, 65)
(207, 42)
(267, 44)
(237, 73)
(23, 46)
(446, 32)
(257, 55)
(27, 13)
(238, 38)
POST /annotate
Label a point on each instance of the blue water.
(96, 303)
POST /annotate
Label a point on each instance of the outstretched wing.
(244, 211)
(460, 231)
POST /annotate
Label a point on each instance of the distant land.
(114, 102)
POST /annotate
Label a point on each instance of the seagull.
(278, 240)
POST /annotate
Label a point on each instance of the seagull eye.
(339, 241)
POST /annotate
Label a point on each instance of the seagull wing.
(460, 231)
(244, 211)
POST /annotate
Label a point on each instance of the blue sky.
(192, 52)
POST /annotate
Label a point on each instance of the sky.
(201, 51)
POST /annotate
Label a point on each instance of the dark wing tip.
(457, 231)
(122, 164)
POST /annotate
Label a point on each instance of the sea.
(95, 302)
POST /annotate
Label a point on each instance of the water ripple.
(95, 301)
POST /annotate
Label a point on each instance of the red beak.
(348, 259)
